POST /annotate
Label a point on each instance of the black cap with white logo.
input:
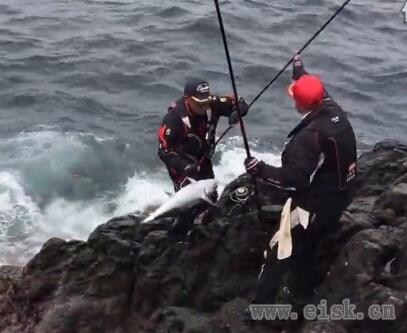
(198, 90)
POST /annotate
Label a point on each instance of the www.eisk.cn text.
(343, 311)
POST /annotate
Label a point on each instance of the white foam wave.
(144, 190)
(19, 218)
(232, 158)
(24, 227)
(17, 209)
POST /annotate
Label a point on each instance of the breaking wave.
(55, 184)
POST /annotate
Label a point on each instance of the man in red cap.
(187, 136)
(318, 170)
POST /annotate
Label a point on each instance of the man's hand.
(191, 170)
(244, 109)
(252, 165)
(298, 68)
(243, 106)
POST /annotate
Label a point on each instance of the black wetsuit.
(185, 138)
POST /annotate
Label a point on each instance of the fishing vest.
(199, 131)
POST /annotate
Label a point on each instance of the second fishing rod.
(290, 61)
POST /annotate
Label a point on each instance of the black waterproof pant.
(298, 272)
(184, 221)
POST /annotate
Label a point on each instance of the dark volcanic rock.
(132, 277)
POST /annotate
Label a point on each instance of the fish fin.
(206, 198)
(191, 180)
(147, 219)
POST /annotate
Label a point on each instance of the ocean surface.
(84, 85)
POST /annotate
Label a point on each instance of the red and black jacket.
(185, 138)
(319, 159)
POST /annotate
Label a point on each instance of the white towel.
(303, 216)
(284, 242)
(289, 219)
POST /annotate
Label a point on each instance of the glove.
(244, 109)
(298, 68)
(253, 165)
(211, 151)
(191, 170)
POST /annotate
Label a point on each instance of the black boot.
(178, 231)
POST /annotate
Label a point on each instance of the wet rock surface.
(133, 277)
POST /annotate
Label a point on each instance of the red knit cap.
(307, 91)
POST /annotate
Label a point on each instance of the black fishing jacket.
(185, 138)
(319, 160)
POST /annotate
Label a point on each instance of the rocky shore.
(131, 277)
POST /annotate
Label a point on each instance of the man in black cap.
(187, 134)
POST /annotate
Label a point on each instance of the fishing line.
(300, 51)
(289, 63)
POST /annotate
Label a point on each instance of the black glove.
(298, 68)
(191, 170)
(252, 165)
(244, 109)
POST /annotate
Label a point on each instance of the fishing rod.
(300, 51)
(289, 62)
(232, 78)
